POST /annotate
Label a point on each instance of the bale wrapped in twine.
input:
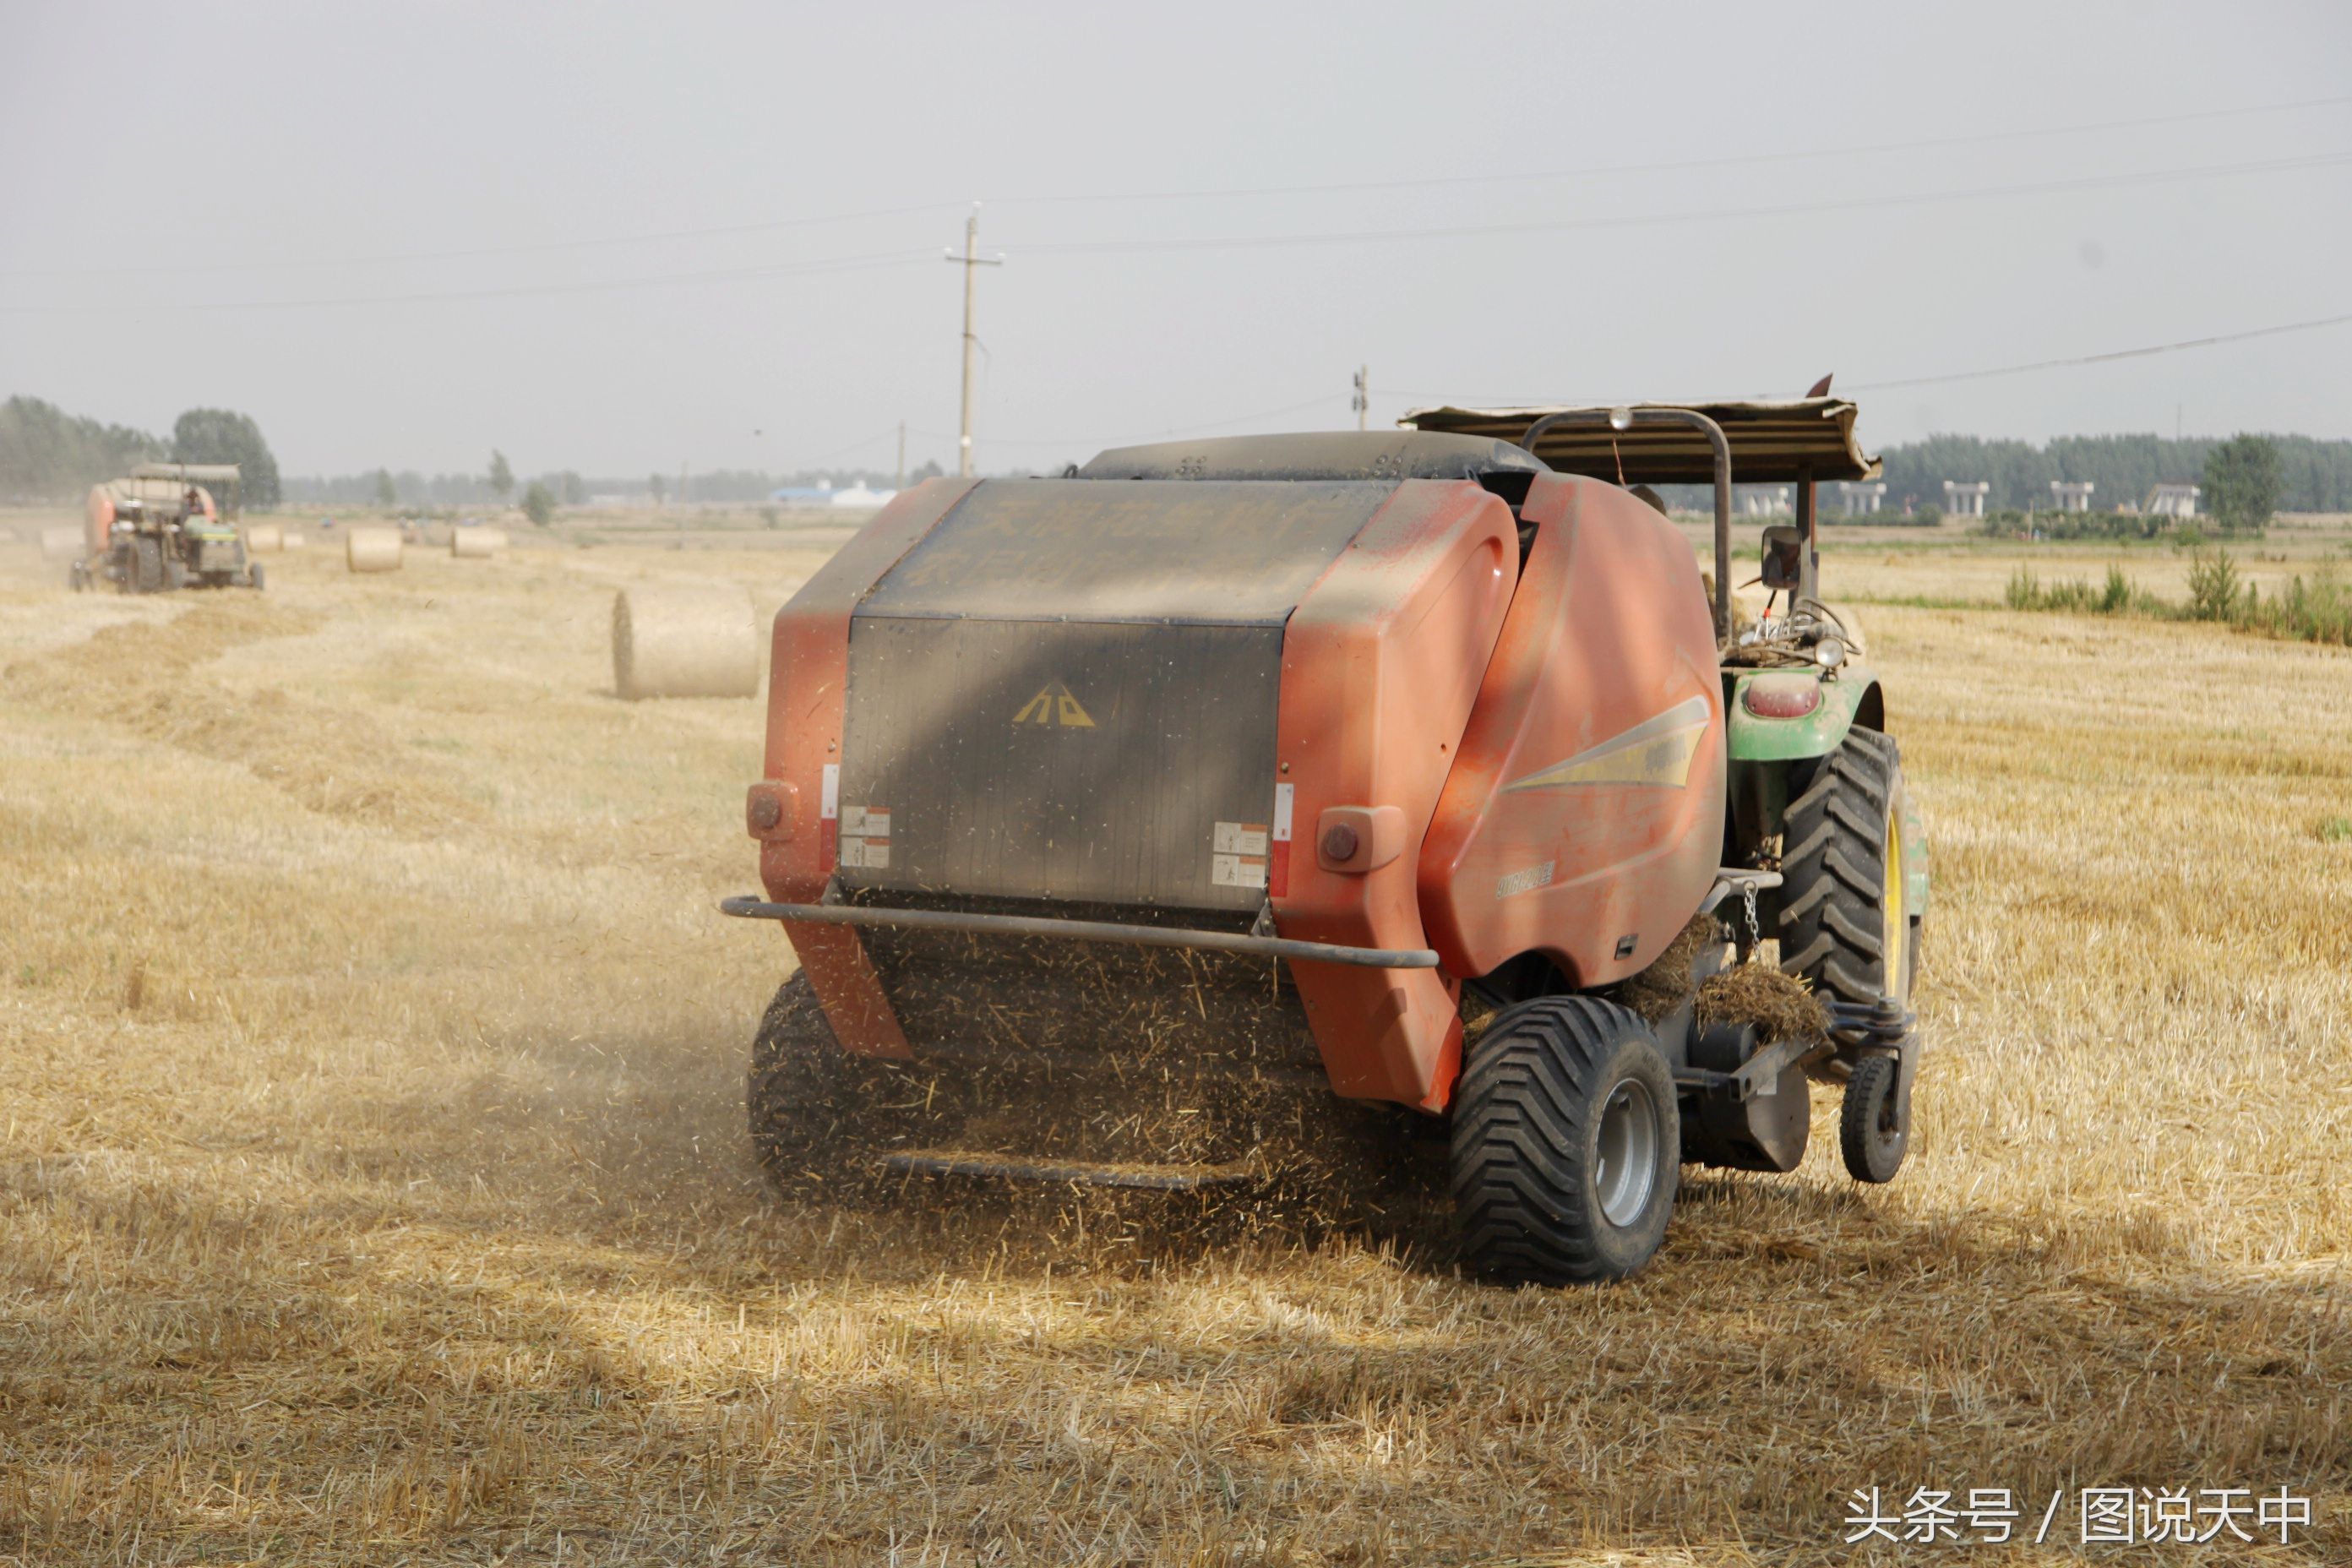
(265, 536)
(292, 540)
(685, 642)
(477, 543)
(60, 543)
(372, 550)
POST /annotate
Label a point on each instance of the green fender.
(1757, 740)
(1760, 747)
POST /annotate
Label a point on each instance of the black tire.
(176, 573)
(144, 570)
(1534, 1197)
(1845, 928)
(254, 575)
(1875, 1127)
(805, 1095)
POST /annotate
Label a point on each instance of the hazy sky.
(183, 186)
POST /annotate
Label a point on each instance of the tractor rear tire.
(1845, 928)
(805, 1091)
(145, 567)
(1566, 1144)
(1874, 1128)
(253, 577)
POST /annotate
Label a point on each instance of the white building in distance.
(1764, 500)
(2072, 495)
(1859, 499)
(2174, 500)
(1963, 499)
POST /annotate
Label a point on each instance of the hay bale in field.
(685, 642)
(372, 550)
(292, 540)
(477, 543)
(60, 543)
(265, 536)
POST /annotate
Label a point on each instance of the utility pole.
(1363, 395)
(970, 259)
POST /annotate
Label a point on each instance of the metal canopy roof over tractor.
(1804, 438)
(198, 473)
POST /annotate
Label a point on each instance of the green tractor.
(1829, 858)
(167, 526)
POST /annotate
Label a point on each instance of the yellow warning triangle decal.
(1053, 705)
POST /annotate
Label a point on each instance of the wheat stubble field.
(372, 1187)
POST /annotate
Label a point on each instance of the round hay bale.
(60, 543)
(372, 549)
(292, 540)
(477, 543)
(265, 536)
(685, 642)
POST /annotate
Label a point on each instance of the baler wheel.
(1844, 927)
(1874, 1128)
(1566, 1145)
(804, 1092)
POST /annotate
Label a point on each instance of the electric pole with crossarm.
(970, 260)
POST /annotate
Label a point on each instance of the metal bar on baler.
(1084, 930)
(1691, 418)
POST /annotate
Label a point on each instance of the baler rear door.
(1067, 690)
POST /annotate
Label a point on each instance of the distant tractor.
(162, 529)
(1426, 769)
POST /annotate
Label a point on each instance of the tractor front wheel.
(1566, 1144)
(1874, 1128)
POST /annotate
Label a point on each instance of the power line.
(1254, 242)
(2108, 357)
(1132, 437)
(870, 262)
(1725, 161)
(1643, 220)
(535, 247)
(1206, 193)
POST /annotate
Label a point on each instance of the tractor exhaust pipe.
(1626, 419)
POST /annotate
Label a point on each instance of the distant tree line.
(568, 487)
(2312, 475)
(47, 454)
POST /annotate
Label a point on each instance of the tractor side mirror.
(1784, 556)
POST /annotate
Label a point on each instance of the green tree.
(2241, 482)
(224, 435)
(386, 496)
(501, 476)
(51, 454)
(570, 488)
(538, 503)
(656, 487)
